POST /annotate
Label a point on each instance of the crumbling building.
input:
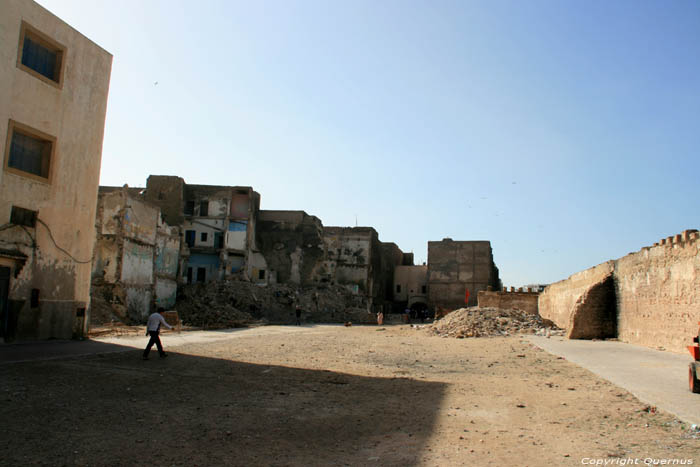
(136, 258)
(53, 98)
(218, 228)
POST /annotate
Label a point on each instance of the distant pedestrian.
(407, 315)
(153, 329)
(380, 318)
(297, 311)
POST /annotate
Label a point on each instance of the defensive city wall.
(648, 297)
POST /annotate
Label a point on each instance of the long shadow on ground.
(114, 409)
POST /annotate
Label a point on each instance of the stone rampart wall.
(649, 297)
(525, 301)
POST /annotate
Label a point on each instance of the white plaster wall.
(137, 263)
(138, 302)
(166, 292)
(236, 240)
(140, 220)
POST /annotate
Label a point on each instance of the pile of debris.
(231, 303)
(201, 315)
(484, 322)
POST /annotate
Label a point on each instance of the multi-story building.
(411, 287)
(53, 98)
(218, 227)
(456, 268)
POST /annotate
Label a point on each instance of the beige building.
(411, 286)
(53, 98)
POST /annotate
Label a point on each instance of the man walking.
(153, 329)
(297, 311)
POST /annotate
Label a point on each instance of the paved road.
(654, 377)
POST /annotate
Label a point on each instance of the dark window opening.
(34, 299)
(29, 153)
(424, 289)
(218, 240)
(189, 275)
(21, 216)
(40, 55)
(204, 208)
(261, 274)
(204, 236)
(189, 237)
(201, 274)
(398, 288)
(189, 207)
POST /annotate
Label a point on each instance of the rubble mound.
(484, 322)
(203, 316)
(232, 303)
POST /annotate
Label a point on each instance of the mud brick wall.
(525, 301)
(658, 293)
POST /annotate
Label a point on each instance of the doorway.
(4, 294)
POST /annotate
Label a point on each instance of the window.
(189, 237)
(189, 208)
(218, 239)
(29, 152)
(204, 208)
(201, 274)
(424, 289)
(204, 236)
(40, 56)
(189, 275)
(261, 274)
(398, 288)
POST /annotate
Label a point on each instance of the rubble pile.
(484, 322)
(231, 303)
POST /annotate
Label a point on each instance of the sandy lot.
(329, 395)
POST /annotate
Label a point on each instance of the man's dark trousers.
(154, 340)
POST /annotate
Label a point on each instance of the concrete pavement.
(654, 377)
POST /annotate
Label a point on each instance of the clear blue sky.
(565, 132)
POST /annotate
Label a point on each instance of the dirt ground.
(330, 395)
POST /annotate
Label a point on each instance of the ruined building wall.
(136, 259)
(347, 257)
(648, 297)
(521, 300)
(293, 247)
(391, 258)
(168, 193)
(46, 263)
(454, 266)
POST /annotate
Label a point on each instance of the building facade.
(458, 267)
(53, 98)
(411, 287)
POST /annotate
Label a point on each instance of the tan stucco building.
(53, 99)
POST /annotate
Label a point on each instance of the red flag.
(466, 297)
